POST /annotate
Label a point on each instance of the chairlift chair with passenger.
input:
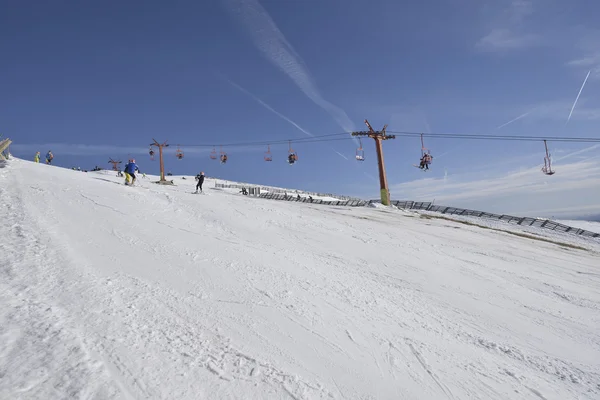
(223, 156)
(179, 153)
(547, 168)
(268, 156)
(292, 155)
(360, 153)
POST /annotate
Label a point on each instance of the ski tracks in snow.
(41, 355)
(122, 337)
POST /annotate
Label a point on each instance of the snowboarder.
(130, 170)
(37, 157)
(200, 179)
(49, 157)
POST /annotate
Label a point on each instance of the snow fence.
(428, 206)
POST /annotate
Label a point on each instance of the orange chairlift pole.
(160, 153)
(114, 164)
(379, 136)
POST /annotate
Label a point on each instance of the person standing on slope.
(130, 170)
(37, 157)
(200, 179)
(49, 157)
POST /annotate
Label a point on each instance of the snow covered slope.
(116, 292)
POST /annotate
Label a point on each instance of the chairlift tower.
(114, 164)
(379, 136)
(162, 165)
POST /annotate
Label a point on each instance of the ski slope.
(151, 292)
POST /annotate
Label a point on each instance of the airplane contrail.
(268, 107)
(272, 43)
(577, 98)
(515, 119)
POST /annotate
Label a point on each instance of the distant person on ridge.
(49, 157)
(130, 170)
(37, 157)
(200, 179)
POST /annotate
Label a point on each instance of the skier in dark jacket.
(200, 179)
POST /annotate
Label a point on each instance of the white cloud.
(527, 191)
(509, 31)
(505, 39)
(270, 41)
(75, 149)
(589, 46)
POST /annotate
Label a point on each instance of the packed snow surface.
(152, 292)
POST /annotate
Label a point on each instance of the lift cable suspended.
(346, 136)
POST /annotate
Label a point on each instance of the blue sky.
(101, 79)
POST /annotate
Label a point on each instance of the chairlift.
(292, 156)
(223, 156)
(151, 152)
(547, 168)
(213, 154)
(179, 153)
(360, 153)
(268, 156)
(426, 156)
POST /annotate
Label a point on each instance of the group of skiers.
(49, 157)
(129, 170)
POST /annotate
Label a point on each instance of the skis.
(423, 169)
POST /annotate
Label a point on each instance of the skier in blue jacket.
(130, 169)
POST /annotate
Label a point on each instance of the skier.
(130, 170)
(49, 157)
(200, 179)
(37, 157)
